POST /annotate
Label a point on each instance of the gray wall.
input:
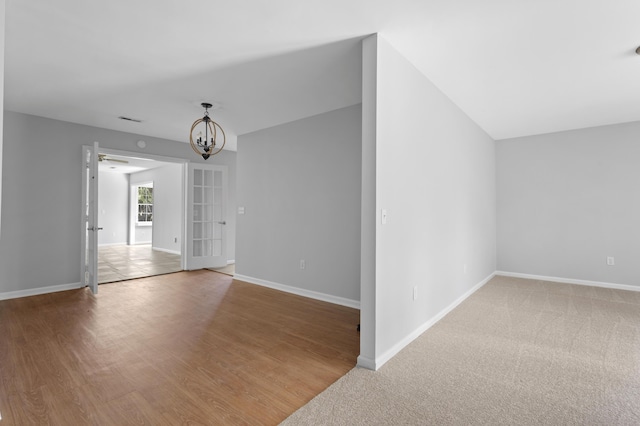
(435, 177)
(113, 208)
(569, 200)
(168, 194)
(41, 212)
(300, 186)
(2, 27)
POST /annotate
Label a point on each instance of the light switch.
(240, 210)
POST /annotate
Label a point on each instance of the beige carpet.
(517, 352)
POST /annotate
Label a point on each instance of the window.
(145, 204)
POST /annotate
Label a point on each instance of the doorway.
(140, 216)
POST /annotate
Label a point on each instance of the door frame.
(89, 197)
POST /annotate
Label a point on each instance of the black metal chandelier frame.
(209, 144)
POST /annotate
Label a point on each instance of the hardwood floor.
(185, 348)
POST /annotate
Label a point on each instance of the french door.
(89, 250)
(206, 223)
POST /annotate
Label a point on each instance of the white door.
(89, 273)
(206, 224)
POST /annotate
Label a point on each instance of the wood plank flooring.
(184, 348)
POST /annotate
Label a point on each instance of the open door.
(206, 224)
(89, 264)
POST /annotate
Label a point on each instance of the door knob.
(222, 223)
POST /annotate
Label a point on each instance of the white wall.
(300, 186)
(2, 27)
(113, 208)
(40, 242)
(168, 195)
(435, 177)
(567, 201)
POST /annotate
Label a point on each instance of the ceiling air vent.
(130, 119)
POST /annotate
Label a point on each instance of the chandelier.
(206, 145)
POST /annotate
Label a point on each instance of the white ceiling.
(515, 67)
(112, 163)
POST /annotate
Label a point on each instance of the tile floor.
(123, 262)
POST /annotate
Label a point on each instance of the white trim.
(231, 262)
(364, 362)
(112, 244)
(381, 360)
(166, 250)
(40, 290)
(300, 292)
(569, 281)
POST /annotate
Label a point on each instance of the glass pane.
(197, 195)
(218, 230)
(197, 213)
(217, 195)
(197, 248)
(197, 230)
(218, 179)
(197, 177)
(207, 213)
(208, 196)
(208, 178)
(207, 249)
(208, 230)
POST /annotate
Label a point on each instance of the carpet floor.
(516, 352)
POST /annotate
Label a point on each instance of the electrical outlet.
(415, 293)
(611, 261)
(303, 264)
(464, 268)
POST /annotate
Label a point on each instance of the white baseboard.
(364, 362)
(569, 281)
(231, 261)
(112, 244)
(166, 250)
(300, 292)
(37, 291)
(382, 359)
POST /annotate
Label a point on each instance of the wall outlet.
(611, 261)
(303, 264)
(464, 268)
(415, 293)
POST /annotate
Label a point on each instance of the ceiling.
(112, 163)
(514, 67)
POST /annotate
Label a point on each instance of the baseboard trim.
(382, 359)
(299, 291)
(231, 261)
(166, 250)
(38, 291)
(569, 281)
(364, 362)
(111, 244)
